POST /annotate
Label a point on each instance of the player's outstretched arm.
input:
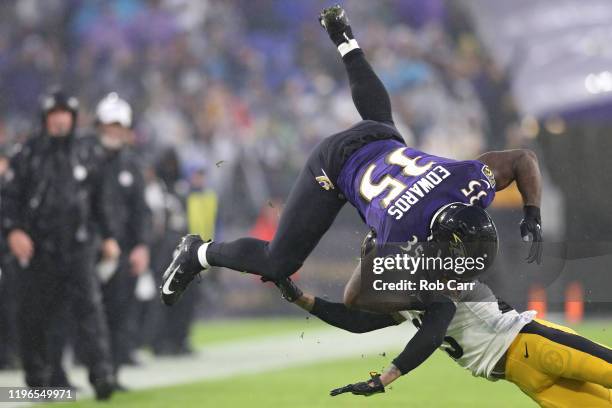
(427, 339)
(337, 314)
(521, 166)
(369, 94)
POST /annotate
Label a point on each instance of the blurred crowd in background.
(230, 96)
(250, 87)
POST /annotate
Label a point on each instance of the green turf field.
(439, 382)
(219, 331)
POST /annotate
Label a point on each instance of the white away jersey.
(480, 332)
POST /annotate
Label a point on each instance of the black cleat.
(104, 389)
(182, 269)
(336, 23)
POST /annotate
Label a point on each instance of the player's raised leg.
(313, 202)
(369, 94)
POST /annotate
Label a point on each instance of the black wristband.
(532, 212)
(317, 307)
(288, 289)
(378, 385)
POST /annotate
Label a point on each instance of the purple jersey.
(397, 189)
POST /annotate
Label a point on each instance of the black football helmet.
(465, 231)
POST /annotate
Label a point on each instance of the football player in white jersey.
(552, 364)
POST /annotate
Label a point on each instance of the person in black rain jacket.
(124, 182)
(52, 210)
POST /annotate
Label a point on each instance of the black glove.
(531, 230)
(289, 290)
(366, 388)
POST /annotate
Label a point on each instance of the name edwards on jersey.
(418, 190)
(397, 189)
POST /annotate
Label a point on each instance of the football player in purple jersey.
(402, 194)
(397, 190)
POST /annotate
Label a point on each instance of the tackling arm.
(369, 94)
(353, 320)
(427, 339)
(337, 314)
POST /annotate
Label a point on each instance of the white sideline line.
(242, 357)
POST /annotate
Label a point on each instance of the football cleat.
(336, 23)
(104, 389)
(182, 270)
